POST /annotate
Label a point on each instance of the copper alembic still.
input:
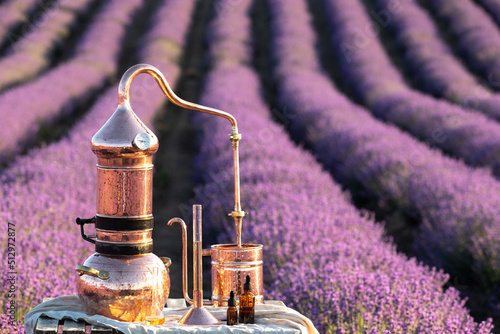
(123, 279)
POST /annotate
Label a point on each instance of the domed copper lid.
(124, 135)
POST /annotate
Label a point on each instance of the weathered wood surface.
(47, 325)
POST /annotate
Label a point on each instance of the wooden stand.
(46, 325)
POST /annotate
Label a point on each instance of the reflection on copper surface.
(138, 287)
(124, 169)
(125, 191)
(124, 237)
(230, 265)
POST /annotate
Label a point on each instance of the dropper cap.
(248, 285)
(231, 301)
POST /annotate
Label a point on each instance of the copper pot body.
(230, 266)
(125, 187)
(137, 288)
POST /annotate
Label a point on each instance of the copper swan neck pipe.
(131, 73)
(123, 99)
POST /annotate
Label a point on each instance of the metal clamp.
(82, 222)
(84, 270)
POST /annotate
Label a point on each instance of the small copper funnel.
(199, 316)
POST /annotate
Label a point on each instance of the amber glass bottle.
(232, 312)
(247, 304)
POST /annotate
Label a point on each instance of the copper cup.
(230, 266)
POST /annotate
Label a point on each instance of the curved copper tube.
(131, 73)
(184, 257)
(123, 99)
(184, 261)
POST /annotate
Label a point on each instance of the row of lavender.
(431, 63)
(15, 13)
(458, 207)
(377, 83)
(58, 91)
(323, 257)
(40, 39)
(476, 35)
(48, 244)
(492, 7)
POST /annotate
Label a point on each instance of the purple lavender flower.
(31, 54)
(42, 101)
(368, 71)
(42, 192)
(455, 203)
(430, 62)
(14, 13)
(322, 256)
(492, 7)
(477, 37)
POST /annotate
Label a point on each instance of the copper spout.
(234, 136)
(84, 270)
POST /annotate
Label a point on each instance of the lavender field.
(370, 158)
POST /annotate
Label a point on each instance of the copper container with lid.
(230, 266)
(124, 280)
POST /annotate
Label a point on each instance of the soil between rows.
(173, 182)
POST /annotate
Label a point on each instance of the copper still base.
(137, 288)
